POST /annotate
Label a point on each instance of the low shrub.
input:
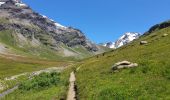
(41, 81)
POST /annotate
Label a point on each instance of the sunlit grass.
(149, 81)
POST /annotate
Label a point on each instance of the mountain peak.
(123, 40)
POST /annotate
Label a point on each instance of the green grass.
(149, 81)
(13, 68)
(18, 65)
(53, 92)
(48, 93)
(7, 37)
(8, 84)
(83, 51)
(13, 65)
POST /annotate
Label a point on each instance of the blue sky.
(104, 20)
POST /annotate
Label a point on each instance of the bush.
(41, 81)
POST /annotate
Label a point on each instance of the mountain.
(149, 80)
(29, 31)
(158, 27)
(123, 40)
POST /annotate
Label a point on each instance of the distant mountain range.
(123, 40)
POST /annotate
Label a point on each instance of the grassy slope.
(11, 40)
(18, 65)
(149, 81)
(51, 93)
(13, 65)
(10, 67)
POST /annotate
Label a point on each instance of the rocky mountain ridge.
(21, 19)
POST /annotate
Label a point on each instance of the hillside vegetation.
(46, 86)
(18, 44)
(149, 81)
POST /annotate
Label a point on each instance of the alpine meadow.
(86, 58)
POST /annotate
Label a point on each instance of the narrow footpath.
(71, 92)
(8, 92)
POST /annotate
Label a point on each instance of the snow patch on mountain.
(55, 23)
(109, 44)
(44, 16)
(1, 3)
(59, 25)
(20, 4)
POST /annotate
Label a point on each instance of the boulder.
(143, 42)
(123, 64)
(164, 35)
